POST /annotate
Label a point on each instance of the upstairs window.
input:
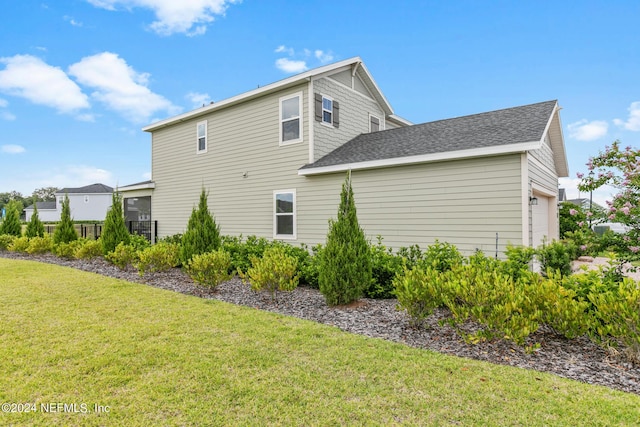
(327, 110)
(374, 124)
(201, 146)
(291, 119)
(284, 214)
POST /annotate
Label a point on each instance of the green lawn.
(155, 357)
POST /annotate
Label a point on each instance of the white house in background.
(89, 203)
(273, 161)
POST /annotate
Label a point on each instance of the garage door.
(540, 220)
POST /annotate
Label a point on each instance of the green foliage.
(442, 256)
(66, 250)
(210, 268)
(274, 271)
(88, 249)
(242, 252)
(11, 223)
(40, 245)
(556, 256)
(35, 228)
(586, 242)
(114, 230)
(140, 243)
(122, 256)
(519, 259)
(419, 292)
(65, 231)
(6, 240)
(309, 267)
(202, 235)
(19, 244)
(345, 263)
(572, 218)
(159, 257)
(174, 238)
(384, 268)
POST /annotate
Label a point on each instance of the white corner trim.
(524, 176)
(311, 120)
(425, 158)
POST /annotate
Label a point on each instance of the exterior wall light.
(533, 201)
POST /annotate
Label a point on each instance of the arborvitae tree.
(11, 224)
(345, 262)
(65, 231)
(202, 235)
(35, 228)
(114, 230)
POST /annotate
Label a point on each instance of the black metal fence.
(147, 229)
(88, 231)
(144, 228)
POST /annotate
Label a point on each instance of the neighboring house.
(273, 161)
(89, 203)
(562, 195)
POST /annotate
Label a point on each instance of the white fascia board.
(399, 119)
(382, 99)
(425, 158)
(281, 84)
(145, 186)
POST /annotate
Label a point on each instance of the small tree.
(65, 231)
(202, 235)
(345, 262)
(114, 230)
(11, 224)
(35, 228)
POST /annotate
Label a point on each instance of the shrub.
(441, 256)
(274, 271)
(114, 230)
(309, 268)
(519, 259)
(19, 244)
(6, 240)
(419, 292)
(88, 249)
(159, 257)
(345, 264)
(411, 256)
(35, 228)
(122, 256)
(65, 231)
(384, 268)
(65, 250)
(202, 235)
(210, 269)
(242, 252)
(40, 245)
(556, 256)
(140, 243)
(174, 238)
(11, 224)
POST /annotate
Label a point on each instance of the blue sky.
(79, 78)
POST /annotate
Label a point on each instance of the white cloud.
(72, 21)
(633, 122)
(585, 130)
(3, 103)
(86, 117)
(323, 56)
(185, 16)
(283, 49)
(600, 195)
(31, 78)
(291, 66)
(198, 99)
(5, 115)
(120, 87)
(13, 149)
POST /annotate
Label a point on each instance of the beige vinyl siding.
(241, 139)
(354, 117)
(463, 202)
(545, 155)
(544, 183)
(343, 77)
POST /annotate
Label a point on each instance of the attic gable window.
(202, 137)
(291, 119)
(327, 110)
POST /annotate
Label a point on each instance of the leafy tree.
(202, 235)
(11, 224)
(12, 196)
(35, 228)
(572, 218)
(345, 262)
(114, 230)
(65, 231)
(45, 194)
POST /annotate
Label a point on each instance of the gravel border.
(577, 359)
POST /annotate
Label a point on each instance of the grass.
(155, 357)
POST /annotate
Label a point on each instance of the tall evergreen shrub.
(202, 235)
(35, 228)
(114, 230)
(65, 231)
(11, 224)
(345, 262)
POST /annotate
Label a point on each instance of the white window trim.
(295, 216)
(300, 117)
(322, 122)
(206, 138)
(380, 122)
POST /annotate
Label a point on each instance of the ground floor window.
(284, 214)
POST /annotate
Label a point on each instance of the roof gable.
(508, 130)
(88, 189)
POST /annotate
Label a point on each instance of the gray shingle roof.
(43, 205)
(88, 189)
(502, 127)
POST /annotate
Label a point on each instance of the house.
(273, 161)
(88, 203)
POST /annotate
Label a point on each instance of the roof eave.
(425, 158)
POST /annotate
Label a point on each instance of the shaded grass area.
(155, 357)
